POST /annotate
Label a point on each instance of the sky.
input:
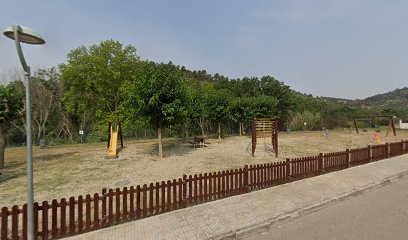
(339, 48)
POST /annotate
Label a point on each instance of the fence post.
(245, 178)
(184, 190)
(402, 147)
(387, 149)
(104, 222)
(321, 170)
(288, 177)
(348, 157)
(4, 222)
(253, 137)
(369, 153)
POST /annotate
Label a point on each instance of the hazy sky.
(338, 48)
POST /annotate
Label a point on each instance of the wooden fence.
(336, 161)
(66, 217)
(360, 156)
(305, 167)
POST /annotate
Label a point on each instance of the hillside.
(397, 99)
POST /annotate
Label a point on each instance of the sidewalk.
(233, 217)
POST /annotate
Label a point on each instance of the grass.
(72, 170)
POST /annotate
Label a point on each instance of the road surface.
(378, 214)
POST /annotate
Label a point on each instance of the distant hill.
(397, 99)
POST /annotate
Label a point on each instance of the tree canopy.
(93, 78)
(158, 93)
(11, 108)
(107, 82)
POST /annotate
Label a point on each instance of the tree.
(11, 108)
(241, 111)
(311, 119)
(44, 88)
(198, 111)
(218, 105)
(286, 101)
(94, 78)
(158, 93)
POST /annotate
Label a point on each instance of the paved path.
(379, 214)
(236, 216)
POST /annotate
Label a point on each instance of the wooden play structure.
(371, 118)
(262, 128)
(113, 133)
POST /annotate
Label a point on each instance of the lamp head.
(25, 35)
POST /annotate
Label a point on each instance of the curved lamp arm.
(26, 68)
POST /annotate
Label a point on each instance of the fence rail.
(305, 167)
(57, 219)
(379, 152)
(336, 161)
(360, 156)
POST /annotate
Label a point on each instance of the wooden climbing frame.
(262, 128)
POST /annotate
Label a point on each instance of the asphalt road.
(380, 213)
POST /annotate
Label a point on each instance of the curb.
(264, 225)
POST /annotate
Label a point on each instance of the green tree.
(219, 107)
(264, 106)
(197, 108)
(311, 119)
(283, 94)
(93, 79)
(158, 93)
(11, 107)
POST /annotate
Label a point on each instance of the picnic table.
(197, 141)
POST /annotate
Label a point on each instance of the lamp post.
(26, 35)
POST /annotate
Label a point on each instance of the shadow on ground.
(57, 156)
(175, 148)
(7, 175)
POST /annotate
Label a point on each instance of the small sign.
(81, 132)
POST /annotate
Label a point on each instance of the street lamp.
(26, 35)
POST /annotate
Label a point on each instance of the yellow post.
(113, 144)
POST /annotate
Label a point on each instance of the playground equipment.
(265, 127)
(377, 138)
(113, 133)
(390, 122)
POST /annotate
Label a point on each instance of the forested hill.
(397, 99)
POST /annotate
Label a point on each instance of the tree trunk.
(3, 141)
(185, 133)
(159, 137)
(201, 124)
(39, 131)
(240, 129)
(219, 130)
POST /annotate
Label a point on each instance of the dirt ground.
(72, 170)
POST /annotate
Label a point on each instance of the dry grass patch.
(72, 170)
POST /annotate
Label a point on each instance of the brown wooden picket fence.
(360, 156)
(336, 161)
(66, 217)
(379, 152)
(305, 167)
